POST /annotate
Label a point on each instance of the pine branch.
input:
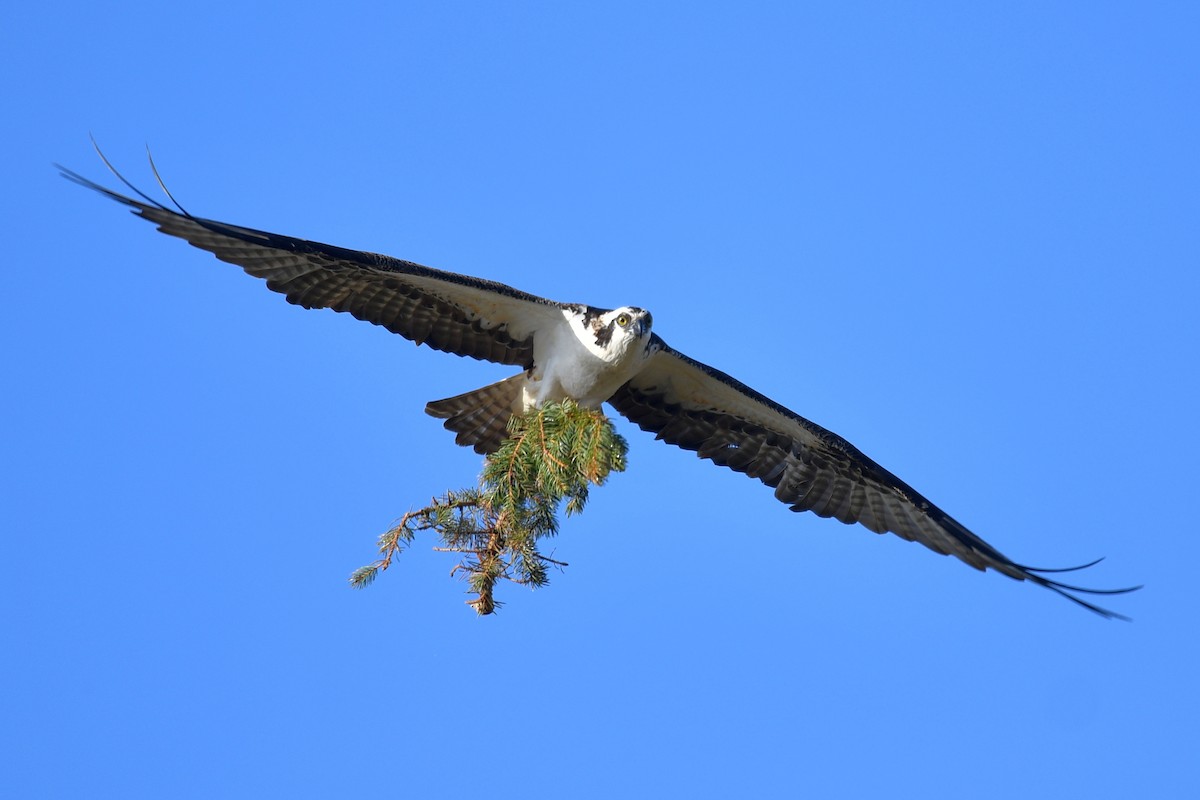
(550, 459)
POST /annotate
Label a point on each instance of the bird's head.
(617, 331)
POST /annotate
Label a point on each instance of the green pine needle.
(548, 462)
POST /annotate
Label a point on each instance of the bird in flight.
(592, 356)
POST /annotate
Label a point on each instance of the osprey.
(592, 356)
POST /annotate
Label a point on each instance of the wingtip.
(1066, 589)
(1062, 569)
(75, 177)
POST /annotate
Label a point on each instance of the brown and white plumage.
(593, 356)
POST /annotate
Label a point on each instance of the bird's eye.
(623, 320)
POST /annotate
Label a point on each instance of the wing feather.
(698, 408)
(454, 313)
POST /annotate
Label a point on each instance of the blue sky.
(962, 236)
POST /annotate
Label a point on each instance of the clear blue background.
(964, 236)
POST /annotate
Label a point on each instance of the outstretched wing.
(696, 407)
(453, 313)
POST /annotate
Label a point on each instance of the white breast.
(569, 364)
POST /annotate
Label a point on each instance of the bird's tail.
(480, 418)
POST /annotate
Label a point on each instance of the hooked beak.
(643, 324)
